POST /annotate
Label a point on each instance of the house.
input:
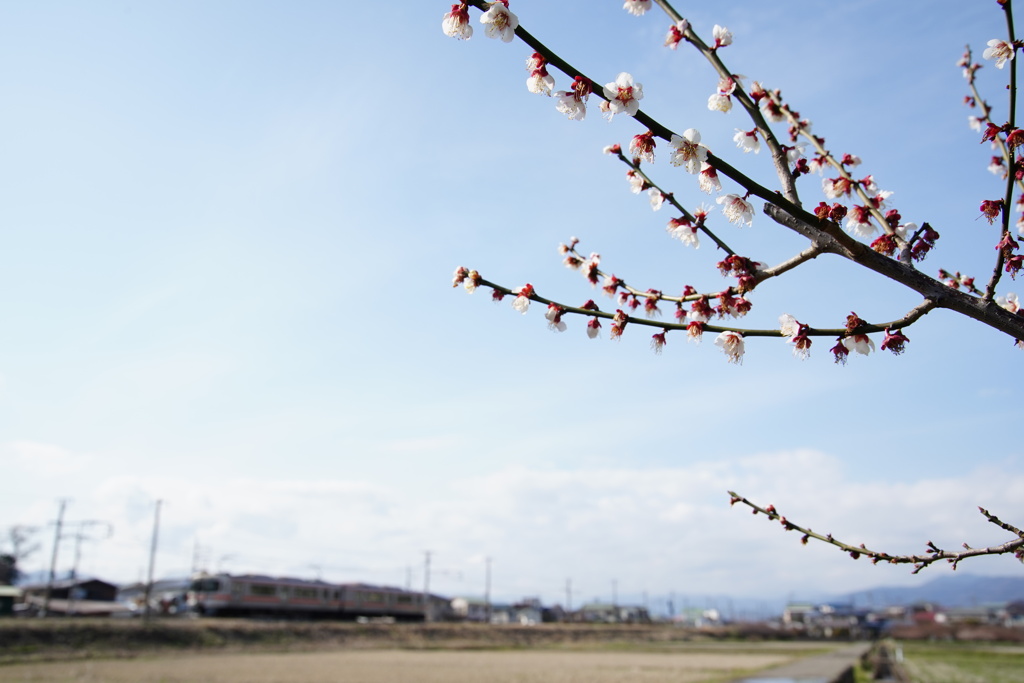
(606, 613)
(90, 597)
(8, 596)
(471, 609)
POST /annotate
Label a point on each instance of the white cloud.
(656, 530)
(46, 459)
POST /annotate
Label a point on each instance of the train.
(252, 595)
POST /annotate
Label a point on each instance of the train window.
(304, 592)
(262, 589)
(205, 586)
(404, 599)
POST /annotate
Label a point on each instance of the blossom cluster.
(853, 199)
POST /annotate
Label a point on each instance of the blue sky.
(228, 237)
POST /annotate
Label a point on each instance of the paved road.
(826, 668)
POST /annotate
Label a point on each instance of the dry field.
(408, 666)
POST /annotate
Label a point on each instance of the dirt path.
(395, 666)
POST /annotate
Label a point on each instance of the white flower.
(500, 22)
(861, 343)
(902, 231)
(684, 231)
(1009, 302)
(796, 152)
(997, 167)
(571, 105)
(456, 23)
(541, 83)
(736, 209)
(732, 344)
(522, 300)
(788, 325)
(747, 140)
(637, 7)
(999, 50)
(722, 36)
(636, 181)
(657, 198)
(708, 179)
(687, 150)
(554, 317)
(858, 221)
(719, 102)
(675, 33)
(623, 95)
(975, 123)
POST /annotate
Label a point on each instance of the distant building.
(471, 609)
(86, 597)
(607, 613)
(8, 596)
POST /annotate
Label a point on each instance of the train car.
(255, 595)
(363, 600)
(281, 597)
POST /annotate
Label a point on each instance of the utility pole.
(568, 596)
(487, 590)
(80, 536)
(53, 558)
(152, 561)
(426, 586)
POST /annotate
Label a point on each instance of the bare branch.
(932, 555)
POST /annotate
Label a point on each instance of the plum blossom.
(522, 301)
(593, 328)
(708, 179)
(722, 37)
(720, 102)
(657, 198)
(858, 221)
(554, 317)
(684, 231)
(642, 147)
(991, 208)
(636, 181)
(736, 209)
(732, 344)
(861, 343)
(619, 321)
(894, 341)
(687, 150)
(623, 95)
(573, 103)
(675, 34)
(788, 325)
(456, 22)
(637, 7)
(999, 50)
(797, 333)
(997, 167)
(500, 22)
(747, 140)
(658, 341)
(540, 81)
(1009, 302)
